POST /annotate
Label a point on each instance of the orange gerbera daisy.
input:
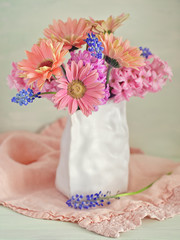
(43, 61)
(110, 25)
(119, 53)
(72, 32)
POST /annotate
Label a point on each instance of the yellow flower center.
(76, 89)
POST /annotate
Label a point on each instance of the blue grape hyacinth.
(85, 202)
(145, 52)
(94, 46)
(25, 96)
(99, 199)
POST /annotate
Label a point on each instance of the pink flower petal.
(84, 108)
(69, 74)
(91, 78)
(72, 106)
(74, 70)
(84, 72)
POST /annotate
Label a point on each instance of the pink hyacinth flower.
(127, 82)
(122, 92)
(15, 80)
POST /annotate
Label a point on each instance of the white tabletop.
(14, 226)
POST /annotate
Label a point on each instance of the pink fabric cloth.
(28, 164)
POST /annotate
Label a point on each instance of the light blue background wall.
(155, 121)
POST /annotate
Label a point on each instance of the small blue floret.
(25, 96)
(145, 52)
(85, 202)
(94, 46)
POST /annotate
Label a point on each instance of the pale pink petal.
(83, 108)
(91, 100)
(95, 94)
(65, 101)
(72, 105)
(33, 58)
(84, 71)
(91, 78)
(69, 74)
(74, 70)
(80, 64)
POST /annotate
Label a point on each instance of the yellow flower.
(110, 25)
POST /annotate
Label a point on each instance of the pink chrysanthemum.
(95, 63)
(72, 32)
(43, 62)
(110, 25)
(120, 53)
(80, 89)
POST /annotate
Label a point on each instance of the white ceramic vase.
(95, 152)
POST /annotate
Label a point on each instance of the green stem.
(136, 192)
(43, 93)
(108, 73)
(64, 71)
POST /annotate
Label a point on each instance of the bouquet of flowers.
(107, 67)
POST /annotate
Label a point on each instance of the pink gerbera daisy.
(80, 89)
(95, 63)
(120, 53)
(43, 62)
(72, 32)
